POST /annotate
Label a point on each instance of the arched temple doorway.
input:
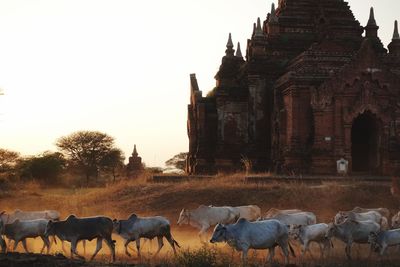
(365, 143)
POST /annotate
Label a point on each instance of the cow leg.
(46, 243)
(203, 231)
(63, 247)
(285, 250)
(111, 246)
(304, 249)
(3, 245)
(271, 255)
(98, 247)
(15, 244)
(244, 256)
(73, 249)
(348, 250)
(138, 247)
(307, 249)
(383, 250)
(171, 241)
(24, 245)
(322, 248)
(84, 246)
(160, 244)
(126, 247)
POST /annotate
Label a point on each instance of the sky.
(121, 67)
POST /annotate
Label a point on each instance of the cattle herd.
(242, 228)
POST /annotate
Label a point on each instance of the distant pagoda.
(135, 165)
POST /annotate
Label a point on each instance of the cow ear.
(1, 213)
(133, 216)
(115, 220)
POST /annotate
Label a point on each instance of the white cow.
(245, 235)
(311, 233)
(300, 218)
(383, 211)
(363, 216)
(20, 230)
(384, 239)
(29, 215)
(204, 217)
(352, 232)
(273, 212)
(136, 227)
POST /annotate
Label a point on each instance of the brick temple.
(314, 87)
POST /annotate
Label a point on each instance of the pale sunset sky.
(121, 67)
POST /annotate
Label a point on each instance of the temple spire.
(394, 46)
(273, 18)
(238, 51)
(258, 31)
(371, 20)
(229, 46)
(371, 30)
(134, 153)
(396, 35)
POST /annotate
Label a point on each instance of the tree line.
(87, 154)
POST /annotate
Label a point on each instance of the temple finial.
(238, 51)
(134, 151)
(259, 31)
(230, 43)
(371, 20)
(396, 35)
(229, 46)
(371, 30)
(273, 18)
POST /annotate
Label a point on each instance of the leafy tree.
(113, 161)
(46, 167)
(86, 150)
(8, 159)
(177, 162)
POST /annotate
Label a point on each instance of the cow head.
(219, 234)
(340, 217)
(396, 221)
(184, 217)
(117, 226)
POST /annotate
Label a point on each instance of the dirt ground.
(146, 199)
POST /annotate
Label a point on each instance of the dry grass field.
(144, 198)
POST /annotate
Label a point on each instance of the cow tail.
(291, 250)
(331, 243)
